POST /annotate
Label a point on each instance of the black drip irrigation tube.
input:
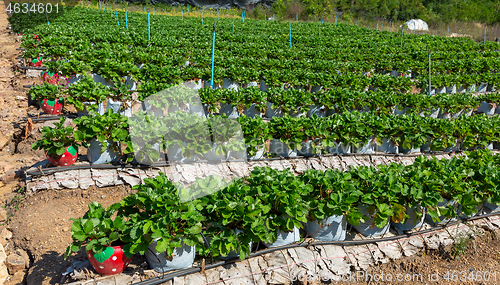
(116, 166)
(48, 118)
(32, 67)
(166, 277)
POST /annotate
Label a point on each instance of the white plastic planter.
(413, 221)
(426, 147)
(263, 86)
(492, 207)
(182, 258)
(330, 229)
(228, 84)
(298, 113)
(132, 85)
(483, 87)
(184, 108)
(444, 114)
(317, 110)
(466, 112)
(442, 219)
(461, 89)
(74, 79)
(212, 156)
(233, 254)
(100, 109)
(152, 110)
(95, 156)
(316, 88)
(206, 84)
(409, 151)
(146, 160)
(433, 114)
(368, 148)
(452, 89)
(486, 108)
(400, 110)
(388, 147)
(366, 227)
(339, 148)
(198, 109)
(307, 149)
(194, 85)
(471, 88)
(281, 149)
(252, 112)
(115, 107)
(496, 146)
(479, 211)
(491, 88)
(395, 73)
(285, 238)
(252, 84)
(99, 79)
(174, 153)
(270, 112)
(452, 148)
(230, 111)
(258, 155)
(441, 90)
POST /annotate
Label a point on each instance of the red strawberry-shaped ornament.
(65, 159)
(52, 106)
(50, 77)
(112, 260)
(36, 62)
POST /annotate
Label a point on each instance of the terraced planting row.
(214, 217)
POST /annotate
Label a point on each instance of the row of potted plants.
(86, 94)
(185, 136)
(169, 223)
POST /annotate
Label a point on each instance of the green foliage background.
(484, 11)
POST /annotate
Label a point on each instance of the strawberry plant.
(57, 140)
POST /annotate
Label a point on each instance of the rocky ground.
(34, 231)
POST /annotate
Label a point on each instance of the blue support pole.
(201, 17)
(126, 19)
(297, 17)
(149, 29)
(290, 31)
(153, 9)
(233, 24)
(117, 21)
(165, 12)
(319, 29)
(29, 14)
(111, 10)
(213, 58)
(429, 72)
(335, 20)
(182, 14)
(242, 18)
